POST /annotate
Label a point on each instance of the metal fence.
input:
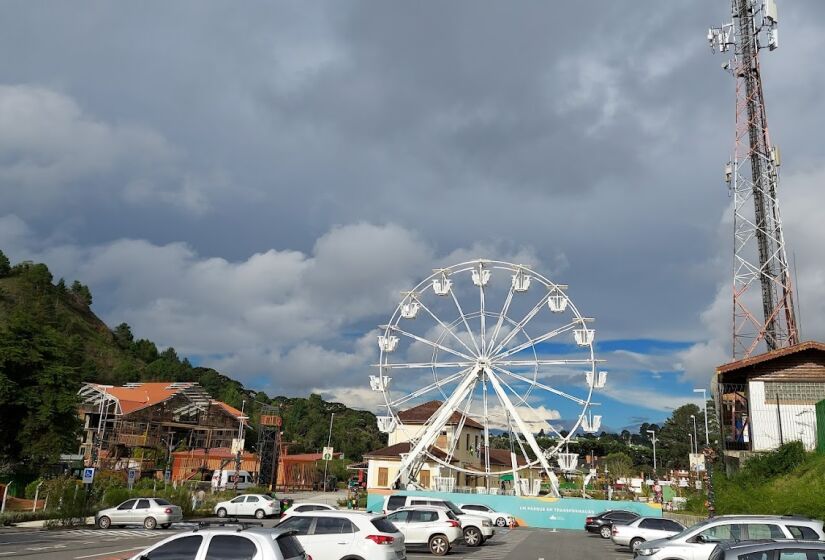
(762, 415)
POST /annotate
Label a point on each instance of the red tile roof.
(230, 409)
(307, 457)
(778, 353)
(140, 396)
(501, 458)
(394, 451)
(421, 413)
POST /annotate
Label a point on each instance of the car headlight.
(486, 523)
(647, 551)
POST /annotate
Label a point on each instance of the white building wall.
(798, 421)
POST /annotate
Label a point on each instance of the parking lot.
(536, 544)
(97, 544)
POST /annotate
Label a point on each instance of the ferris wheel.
(497, 347)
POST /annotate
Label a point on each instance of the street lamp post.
(690, 435)
(653, 439)
(695, 437)
(705, 413)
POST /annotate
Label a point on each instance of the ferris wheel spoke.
(445, 327)
(520, 325)
(540, 362)
(483, 318)
(525, 431)
(486, 426)
(541, 385)
(461, 422)
(401, 331)
(504, 309)
(428, 388)
(528, 405)
(425, 365)
(466, 324)
(539, 339)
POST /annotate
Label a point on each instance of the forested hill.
(51, 342)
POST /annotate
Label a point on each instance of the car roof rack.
(231, 522)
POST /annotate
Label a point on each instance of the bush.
(12, 517)
(781, 461)
(114, 496)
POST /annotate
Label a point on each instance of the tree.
(5, 265)
(673, 446)
(39, 376)
(620, 464)
(82, 293)
(123, 335)
(145, 350)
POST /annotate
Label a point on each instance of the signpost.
(327, 454)
(88, 475)
(130, 478)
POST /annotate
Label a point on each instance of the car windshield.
(453, 508)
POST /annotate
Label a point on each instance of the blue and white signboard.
(88, 475)
(130, 477)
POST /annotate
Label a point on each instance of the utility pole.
(653, 439)
(705, 413)
(759, 255)
(695, 436)
(241, 418)
(329, 443)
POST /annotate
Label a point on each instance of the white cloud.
(52, 151)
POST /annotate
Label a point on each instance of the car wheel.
(259, 514)
(605, 531)
(150, 523)
(221, 512)
(439, 545)
(104, 522)
(501, 522)
(472, 536)
(634, 543)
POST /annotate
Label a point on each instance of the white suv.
(333, 535)
(476, 529)
(436, 528)
(237, 543)
(697, 542)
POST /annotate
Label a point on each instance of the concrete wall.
(798, 421)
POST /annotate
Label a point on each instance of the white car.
(644, 529)
(334, 535)
(257, 505)
(698, 542)
(304, 507)
(436, 528)
(499, 518)
(149, 512)
(237, 543)
(476, 529)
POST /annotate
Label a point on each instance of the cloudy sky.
(254, 184)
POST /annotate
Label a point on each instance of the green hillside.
(51, 342)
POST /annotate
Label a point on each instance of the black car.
(603, 522)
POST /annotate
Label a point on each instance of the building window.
(794, 393)
(468, 442)
(383, 476)
(424, 478)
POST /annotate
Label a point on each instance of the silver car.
(784, 550)
(644, 529)
(149, 512)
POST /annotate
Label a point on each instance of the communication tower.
(760, 261)
(269, 445)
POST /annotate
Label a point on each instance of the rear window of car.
(450, 515)
(290, 546)
(396, 502)
(162, 502)
(384, 525)
(231, 547)
(802, 532)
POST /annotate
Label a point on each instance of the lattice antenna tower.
(759, 256)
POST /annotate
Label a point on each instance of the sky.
(255, 184)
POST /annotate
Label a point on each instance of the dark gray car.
(769, 550)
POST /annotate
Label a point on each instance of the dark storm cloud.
(586, 133)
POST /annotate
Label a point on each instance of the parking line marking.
(108, 553)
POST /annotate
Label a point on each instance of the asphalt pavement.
(120, 543)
